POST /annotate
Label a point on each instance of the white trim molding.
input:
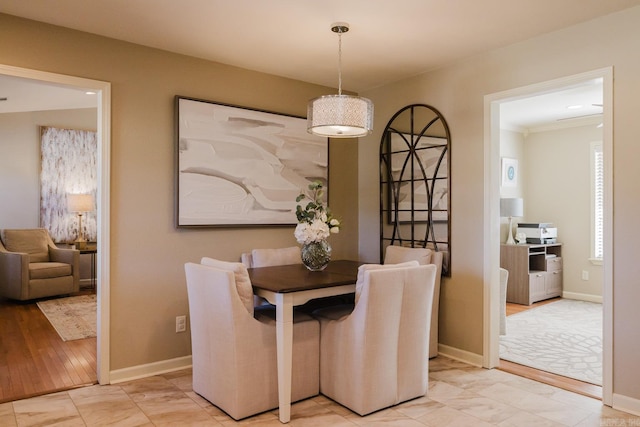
(150, 369)
(626, 404)
(491, 229)
(582, 297)
(460, 355)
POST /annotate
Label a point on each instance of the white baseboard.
(582, 297)
(626, 404)
(460, 355)
(150, 369)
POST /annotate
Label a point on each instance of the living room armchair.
(31, 266)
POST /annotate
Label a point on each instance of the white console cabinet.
(535, 271)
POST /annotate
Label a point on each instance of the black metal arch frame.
(412, 225)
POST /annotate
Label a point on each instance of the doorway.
(493, 103)
(103, 94)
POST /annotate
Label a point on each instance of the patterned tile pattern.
(459, 395)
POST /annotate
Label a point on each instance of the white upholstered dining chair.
(269, 257)
(272, 256)
(424, 256)
(376, 356)
(234, 353)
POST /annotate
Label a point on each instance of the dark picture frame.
(237, 166)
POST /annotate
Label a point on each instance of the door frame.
(491, 261)
(103, 93)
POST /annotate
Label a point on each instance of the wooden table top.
(296, 277)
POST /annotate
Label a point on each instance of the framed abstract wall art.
(237, 166)
(68, 166)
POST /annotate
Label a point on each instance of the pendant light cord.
(339, 62)
(340, 27)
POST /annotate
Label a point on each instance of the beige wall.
(558, 190)
(458, 92)
(20, 160)
(147, 252)
(512, 146)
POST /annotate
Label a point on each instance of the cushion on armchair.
(49, 270)
(32, 242)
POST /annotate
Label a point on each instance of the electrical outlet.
(181, 323)
(585, 275)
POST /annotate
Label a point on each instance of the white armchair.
(234, 354)
(377, 355)
(424, 256)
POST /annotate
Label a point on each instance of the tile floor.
(459, 395)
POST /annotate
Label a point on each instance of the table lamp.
(510, 207)
(80, 203)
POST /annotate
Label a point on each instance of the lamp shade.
(80, 203)
(511, 207)
(340, 116)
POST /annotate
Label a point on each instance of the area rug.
(563, 337)
(73, 318)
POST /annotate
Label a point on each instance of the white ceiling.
(33, 95)
(388, 40)
(574, 105)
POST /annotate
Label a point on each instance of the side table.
(92, 250)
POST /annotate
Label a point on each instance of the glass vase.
(316, 255)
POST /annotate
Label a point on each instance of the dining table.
(286, 286)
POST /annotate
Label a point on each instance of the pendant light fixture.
(340, 116)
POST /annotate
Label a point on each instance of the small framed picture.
(509, 172)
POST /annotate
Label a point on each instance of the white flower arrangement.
(315, 222)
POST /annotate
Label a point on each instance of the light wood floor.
(542, 376)
(33, 358)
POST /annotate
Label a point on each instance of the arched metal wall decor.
(415, 182)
